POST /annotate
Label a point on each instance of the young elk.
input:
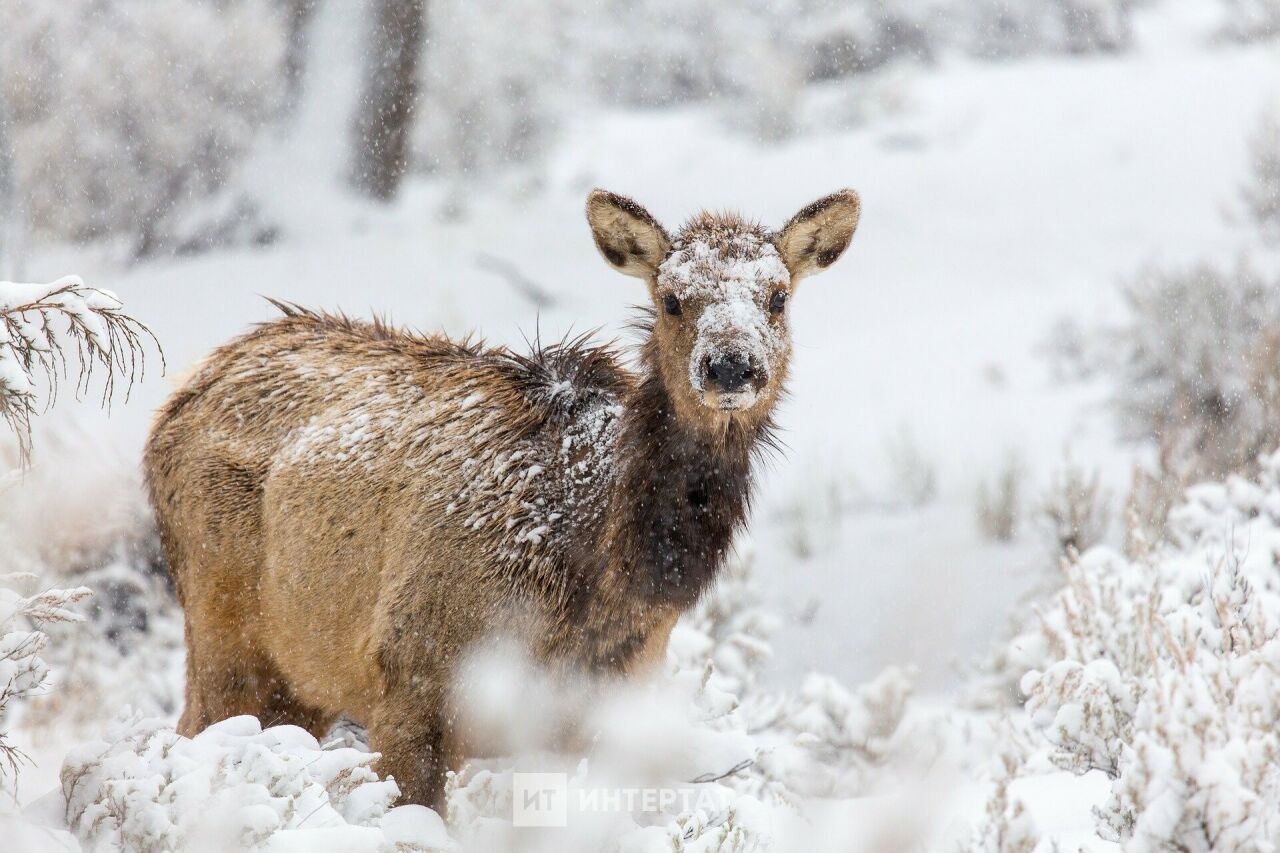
(347, 508)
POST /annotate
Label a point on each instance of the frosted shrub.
(126, 112)
(827, 741)
(1159, 671)
(1095, 26)
(736, 752)
(741, 758)
(1250, 20)
(477, 114)
(821, 740)
(1262, 193)
(1074, 510)
(728, 631)
(1196, 368)
(23, 672)
(914, 475)
(127, 653)
(658, 52)
(98, 534)
(235, 786)
(1006, 826)
(39, 324)
(1086, 710)
(839, 39)
(1009, 28)
(999, 501)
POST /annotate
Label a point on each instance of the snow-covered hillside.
(999, 198)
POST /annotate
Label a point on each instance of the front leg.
(652, 657)
(413, 732)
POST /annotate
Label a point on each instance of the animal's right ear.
(628, 236)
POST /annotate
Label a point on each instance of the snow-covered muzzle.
(724, 290)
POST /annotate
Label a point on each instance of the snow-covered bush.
(1074, 510)
(95, 535)
(39, 323)
(1159, 671)
(1196, 367)
(491, 94)
(125, 112)
(839, 39)
(732, 752)
(999, 501)
(23, 672)
(235, 786)
(736, 760)
(99, 534)
(1010, 28)
(913, 474)
(661, 52)
(1262, 193)
(1095, 26)
(127, 652)
(753, 59)
(1250, 20)
(1007, 825)
(478, 114)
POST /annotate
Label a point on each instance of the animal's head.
(721, 289)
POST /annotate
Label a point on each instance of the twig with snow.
(39, 323)
(22, 671)
(706, 778)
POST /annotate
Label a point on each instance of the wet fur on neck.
(683, 489)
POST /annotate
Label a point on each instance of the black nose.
(729, 373)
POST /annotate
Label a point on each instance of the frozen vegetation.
(39, 323)
(1013, 585)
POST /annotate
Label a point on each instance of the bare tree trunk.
(384, 113)
(299, 13)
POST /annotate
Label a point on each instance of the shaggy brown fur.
(347, 508)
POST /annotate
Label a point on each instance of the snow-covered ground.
(997, 199)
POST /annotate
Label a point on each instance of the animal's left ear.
(815, 237)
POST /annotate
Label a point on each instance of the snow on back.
(731, 277)
(530, 491)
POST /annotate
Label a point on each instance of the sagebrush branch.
(22, 671)
(40, 323)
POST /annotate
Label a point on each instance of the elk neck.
(681, 491)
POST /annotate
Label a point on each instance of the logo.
(539, 799)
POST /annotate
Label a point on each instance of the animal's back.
(327, 487)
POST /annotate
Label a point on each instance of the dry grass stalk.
(999, 501)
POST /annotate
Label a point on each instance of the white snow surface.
(234, 786)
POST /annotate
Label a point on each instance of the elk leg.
(412, 734)
(231, 681)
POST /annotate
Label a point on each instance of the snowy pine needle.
(44, 328)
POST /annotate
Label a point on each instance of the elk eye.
(671, 304)
(778, 302)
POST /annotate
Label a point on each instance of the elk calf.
(347, 508)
